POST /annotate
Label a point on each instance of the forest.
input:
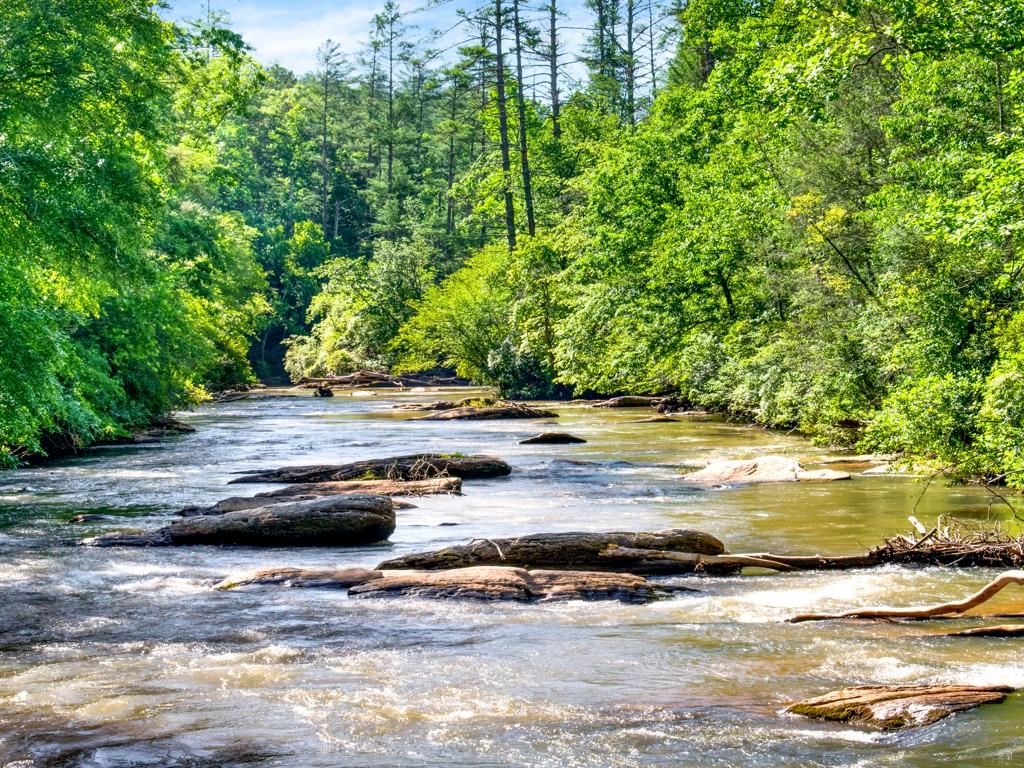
(800, 214)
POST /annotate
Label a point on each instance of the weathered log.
(661, 561)
(502, 411)
(507, 583)
(565, 551)
(334, 521)
(660, 419)
(338, 578)
(628, 401)
(764, 469)
(898, 707)
(983, 595)
(552, 438)
(419, 466)
(999, 630)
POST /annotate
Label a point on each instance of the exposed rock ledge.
(764, 469)
(898, 707)
(310, 491)
(334, 521)
(478, 583)
(417, 466)
(506, 583)
(568, 551)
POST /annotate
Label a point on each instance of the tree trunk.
(556, 125)
(524, 158)
(506, 163)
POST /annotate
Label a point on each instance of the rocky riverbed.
(129, 656)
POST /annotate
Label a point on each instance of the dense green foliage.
(805, 215)
(121, 292)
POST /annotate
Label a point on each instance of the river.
(126, 657)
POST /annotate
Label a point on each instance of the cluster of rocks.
(354, 505)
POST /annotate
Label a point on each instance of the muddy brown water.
(126, 657)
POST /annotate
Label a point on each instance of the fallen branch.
(698, 562)
(985, 594)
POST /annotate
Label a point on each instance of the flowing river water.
(127, 657)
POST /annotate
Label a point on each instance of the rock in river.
(334, 521)
(764, 469)
(339, 578)
(552, 438)
(567, 551)
(501, 411)
(898, 707)
(629, 401)
(505, 583)
(417, 466)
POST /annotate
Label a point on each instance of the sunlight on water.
(129, 658)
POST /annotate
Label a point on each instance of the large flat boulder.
(417, 466)
(566, 551)
(764, 469)
(898, 707)
(500, 411)
(506, 583)
(337, 578)
(334, 521)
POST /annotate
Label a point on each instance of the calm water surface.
(114, 658)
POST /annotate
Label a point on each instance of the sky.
(288, 32)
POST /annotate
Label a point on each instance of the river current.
(112, 658)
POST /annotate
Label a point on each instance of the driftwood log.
(568, 551)
(419, 466)
(983, 595)
(334, 521)
(377, 379)
(629, 401)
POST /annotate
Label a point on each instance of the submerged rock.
(339, 578)
(417, 466)
(503, 411)
(764, 469)
(898, 707)
(91, 517)
(335, 521)
(552, 438)
(999, 630)
(505, 583)
(567, 551)
(659, 419)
